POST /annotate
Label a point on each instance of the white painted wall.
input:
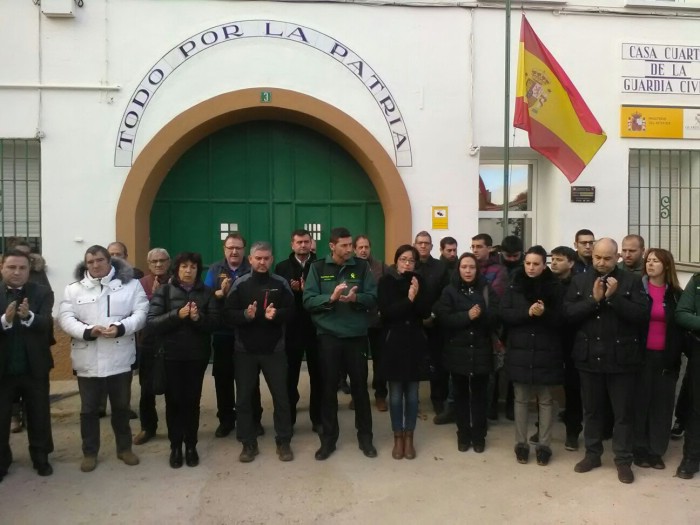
(443, 65)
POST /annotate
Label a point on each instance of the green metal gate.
(263, 179)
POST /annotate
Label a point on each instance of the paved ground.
(441, 485)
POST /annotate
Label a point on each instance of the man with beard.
(448, 252)
(632, 254)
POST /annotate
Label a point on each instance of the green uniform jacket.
(338, 318)
(688, 309)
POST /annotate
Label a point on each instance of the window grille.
(664, 201)
(20, 192)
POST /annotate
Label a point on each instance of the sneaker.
(624, 473)
(571, 442)
(248, 453)
(128, 457)
(143, 437)
(543, 454)
(284, 452)
(522, 453)
(587, 464)
(88, 464)
(688, 468)
(678, 430)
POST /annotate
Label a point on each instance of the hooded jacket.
(116, 299)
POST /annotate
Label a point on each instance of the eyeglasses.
(404, 260)
(158, 261)
(234, 248)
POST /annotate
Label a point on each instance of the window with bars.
(20, 193)
(664, 201)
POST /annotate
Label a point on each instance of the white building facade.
(161, 122)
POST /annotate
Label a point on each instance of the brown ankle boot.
(409, 451)
(397, 453)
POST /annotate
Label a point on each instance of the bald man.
(610, 313)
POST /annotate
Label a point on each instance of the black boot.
(176, 456)
(191, 456)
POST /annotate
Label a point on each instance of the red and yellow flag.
(549, 107)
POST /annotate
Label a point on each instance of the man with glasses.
(220, 277)
(583, 244)
(159, 273)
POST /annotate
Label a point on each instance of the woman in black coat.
(183, 313)
(656, 386)
(531, 312)
(403, 305)
(464, 315)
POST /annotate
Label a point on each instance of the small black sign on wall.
(582, 193)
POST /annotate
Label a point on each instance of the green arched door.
(263, 179)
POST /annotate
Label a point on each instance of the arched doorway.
(263, 179)
(187, 129)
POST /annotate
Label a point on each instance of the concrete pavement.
(441, 485)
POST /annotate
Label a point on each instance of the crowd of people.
(609, 323)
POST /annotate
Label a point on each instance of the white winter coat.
(115, 299)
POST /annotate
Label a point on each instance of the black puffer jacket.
(405, 347)
(468, 346)
(183, 339)
(610, 335)
(533, 346)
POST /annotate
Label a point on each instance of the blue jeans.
(403, 416)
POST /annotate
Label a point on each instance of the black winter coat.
(183, 339)
(405, 347)
(610, 335)
(676, 337)
(468, 347)
(301, 332)
(533, 347)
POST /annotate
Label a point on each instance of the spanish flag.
(549, 107)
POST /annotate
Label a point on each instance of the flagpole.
(506, 125)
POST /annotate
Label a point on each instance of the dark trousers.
(683, 401)
(274, 369)
(439, 377)
(375, 335)
(597, 390)
(573, 415)
(147, 400)
(183, 391)
(295, 350)
(118, 389)
(35, 393)
(223, 370)
(691, 446)
(350, 352)
(470, 406)
(656, 392)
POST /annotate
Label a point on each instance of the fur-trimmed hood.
(37, 263)
(122, 270)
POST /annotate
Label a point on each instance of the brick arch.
(184, 131)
